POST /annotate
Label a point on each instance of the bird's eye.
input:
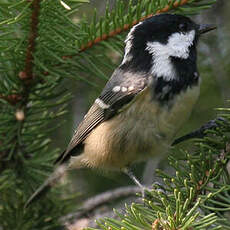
(183, 26)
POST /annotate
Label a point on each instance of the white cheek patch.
(128, 42)
(177, 46)
(179, 43)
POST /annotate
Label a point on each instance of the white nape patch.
(177, 46)
(116, 89)
(101, 104)
(128, 42)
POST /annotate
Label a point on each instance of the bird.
(148, 98)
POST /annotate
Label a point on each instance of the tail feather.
(44, 188)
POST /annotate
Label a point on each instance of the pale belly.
(141, 131)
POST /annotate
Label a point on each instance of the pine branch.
(29, 102)
(28, 72)
(125, 27)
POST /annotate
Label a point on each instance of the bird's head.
(156, 43)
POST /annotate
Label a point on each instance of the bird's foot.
(146, 192)
(129, 173)
(201, 132)
(157, 186)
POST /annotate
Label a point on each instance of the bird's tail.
(44, 188)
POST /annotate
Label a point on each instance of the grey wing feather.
(96, 114)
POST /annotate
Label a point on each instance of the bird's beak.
(203, 28)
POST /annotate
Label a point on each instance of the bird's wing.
(116, 94)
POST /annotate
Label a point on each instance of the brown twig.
(27, 74)
(94, 202)
(29, 63)
(128, 26)
(12, 99)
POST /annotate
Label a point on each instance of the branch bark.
(128, 26)
(91, 208)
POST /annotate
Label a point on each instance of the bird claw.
(143, 191)
(146, 191)
(201, 132)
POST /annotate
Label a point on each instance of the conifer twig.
(128, 26)
(27, 74)
(12, 98)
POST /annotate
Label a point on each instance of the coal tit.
(145, 102)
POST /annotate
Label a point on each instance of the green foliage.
(32, 98)
(27, 118)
